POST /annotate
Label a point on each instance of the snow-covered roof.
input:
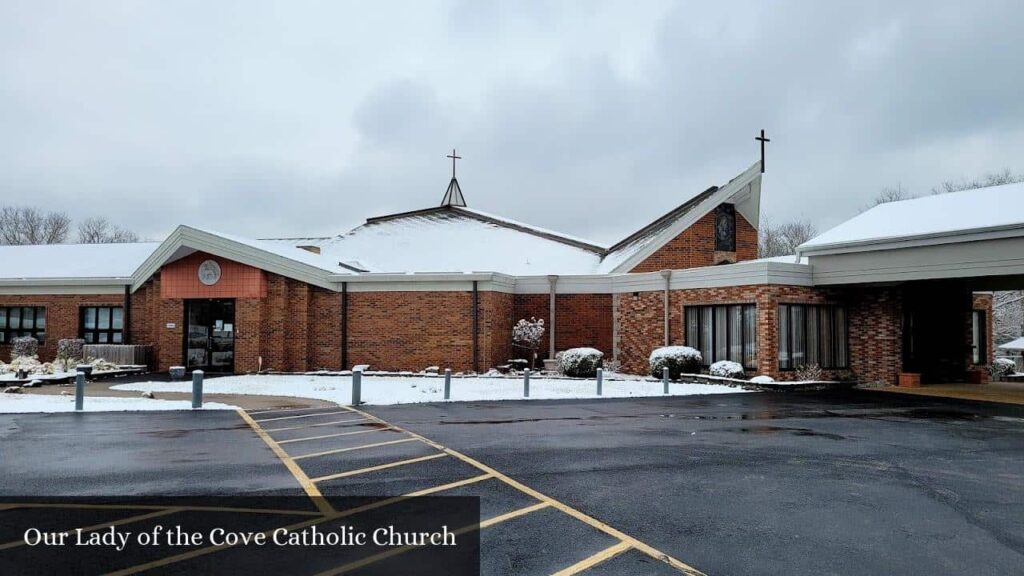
(55, 261)
(1015, 344)
(283, 249)
(970, 211)
(458, 239)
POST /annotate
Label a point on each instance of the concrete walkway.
(1003, 392)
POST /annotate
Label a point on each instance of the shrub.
(70, 351)
(726, 369)
(580, 362)
(810, 373)
(24, 346)
(679, 360)
(1002, 367)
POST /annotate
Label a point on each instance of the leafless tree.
(26, 225)
(990, 179)
(783, 239)
(99, 230)
(891, 194)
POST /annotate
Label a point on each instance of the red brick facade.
(695, 247)
(62, 316)
(580, 320)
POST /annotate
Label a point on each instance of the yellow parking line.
(300, 416)
(587, 563)
(380, 467)
(313, 425)
(403, 549)
(310, 488)
(333, 435)
(351, 448)
(95, 527)
(582, 517)
(299, 526)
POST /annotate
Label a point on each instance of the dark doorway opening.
(935, 332)
(210, 335)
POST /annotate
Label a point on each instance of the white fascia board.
(723, 194)
(238, 252)
(937, 239)
(425, 282)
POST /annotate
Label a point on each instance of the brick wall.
(580, 320)
(695, 247)
(874, 321)
(62, 314)
(180, 279)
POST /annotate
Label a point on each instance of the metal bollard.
(600, 380)
(526, 383)
(357, 387)
(79, 392)
(664, 378)
(197, 389)
(447, 383)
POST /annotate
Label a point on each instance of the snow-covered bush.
(580, 362)
(810, 373)
(726, 369)
(1002, 367)
(762, 379)
(69, 352)
(527, 334)
(101, 365)
(24, 346)
(678, 359)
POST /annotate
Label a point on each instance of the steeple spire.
(453, 196)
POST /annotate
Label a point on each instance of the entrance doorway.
(210, 335)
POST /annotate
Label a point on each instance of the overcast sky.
(304, 118)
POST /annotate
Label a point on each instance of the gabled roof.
(937, 219)
(744, 191)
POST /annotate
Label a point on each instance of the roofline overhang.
(918, 240)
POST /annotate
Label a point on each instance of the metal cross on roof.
(761, 138)
(454, 157)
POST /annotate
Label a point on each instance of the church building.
(896, 290)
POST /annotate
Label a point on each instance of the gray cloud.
(593, 118)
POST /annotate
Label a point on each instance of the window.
(979, 331)
(18, 321)
(812, 334)
(725, 228)
(102, 324)
(726, 332)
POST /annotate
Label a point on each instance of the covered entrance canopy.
(938, 256)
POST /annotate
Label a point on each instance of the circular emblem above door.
(209, 272)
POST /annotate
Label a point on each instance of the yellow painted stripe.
(313, 425)
(95, 527)
(333, 435)
(380, 467)
(300, 416)
(403, 549)
(351, 448)
(318, 499)
(514, 514)
(299, 526)
(588, 563)
(582, 517)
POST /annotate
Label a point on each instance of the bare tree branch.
(26, 225)
(99, 230)
(783, 239)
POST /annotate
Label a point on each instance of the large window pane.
(103, 318)
(17, 321)
(799, 338)
(841, 360)
(89, 318)
(750, 337)
(725, 332)
(706, 333)
(813, 340)
(812, 334)
(102, 324)
(117, 318)
(14, 317)
(41, 318)
(721, 333)
(736, 333)
(693, 327)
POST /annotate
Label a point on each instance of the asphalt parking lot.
(728, 484)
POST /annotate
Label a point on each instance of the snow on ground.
(398, 390)
(24, 403)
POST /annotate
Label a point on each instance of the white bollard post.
(600, 379)
(526, 383)
(447, 383)
(664, 378)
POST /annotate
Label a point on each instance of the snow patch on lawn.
(398, 390)
(26, 403)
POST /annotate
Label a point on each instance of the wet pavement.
(850, 483)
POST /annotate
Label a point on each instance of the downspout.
(667, 275)
(552, 280)
(476, 326)
(126, 330)
(344, 325)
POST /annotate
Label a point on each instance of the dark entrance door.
(210, 335)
